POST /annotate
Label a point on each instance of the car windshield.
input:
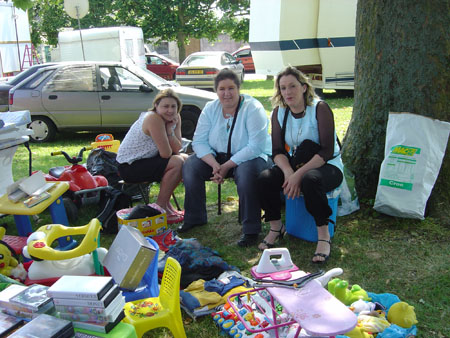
(202, 60)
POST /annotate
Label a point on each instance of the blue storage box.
(301, 224)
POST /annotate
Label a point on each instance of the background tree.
(402, 59)
(169, 20)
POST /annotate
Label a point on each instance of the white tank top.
(136, 144)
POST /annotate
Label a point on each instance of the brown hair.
(226, 74)
(309, 95)
(166, 93)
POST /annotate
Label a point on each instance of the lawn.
(382, 254)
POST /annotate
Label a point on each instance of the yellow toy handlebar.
(39, 243)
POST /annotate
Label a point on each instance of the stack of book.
(25, 302)
(92, 303)
(46, 326)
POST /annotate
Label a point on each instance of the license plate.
(195, 71)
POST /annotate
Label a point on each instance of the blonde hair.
(309, 95)
(166, 93)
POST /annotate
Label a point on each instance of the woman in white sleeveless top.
(150, 151)
(300, 115)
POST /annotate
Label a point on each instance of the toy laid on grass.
(402, 314)
(84, 259)
(84, 187)
(339, 288)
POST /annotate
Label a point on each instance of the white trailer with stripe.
(316, 36)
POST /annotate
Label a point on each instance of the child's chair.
(163, 311)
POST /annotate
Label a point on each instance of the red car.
(244, 55)
(162, 66)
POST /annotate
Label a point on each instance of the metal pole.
(79, 28)
(17, 37)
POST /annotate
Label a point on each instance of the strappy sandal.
(320, 254)
(280, 236)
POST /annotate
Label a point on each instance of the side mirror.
(144, 88)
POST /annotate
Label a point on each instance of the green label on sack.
(405, 150)
(396, 184)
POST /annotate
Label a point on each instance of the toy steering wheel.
(39, 242)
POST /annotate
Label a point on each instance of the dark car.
(162, 66)
(98, 96)
(6, 86)
(244, 55)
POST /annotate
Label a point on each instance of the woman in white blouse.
(231, 140)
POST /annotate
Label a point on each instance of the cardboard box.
(129, 257)
(149, 226)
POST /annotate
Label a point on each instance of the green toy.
(339, 288)
(402, 314)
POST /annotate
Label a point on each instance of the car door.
(122, 103)
(71, 97)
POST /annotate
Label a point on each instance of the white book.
(8, 293)
(102, 303)
(92, 316)
(81, 287)
(119, 301)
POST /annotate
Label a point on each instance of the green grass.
(382, 254)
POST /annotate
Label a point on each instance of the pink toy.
(274, 268)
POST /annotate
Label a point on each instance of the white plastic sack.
(415, 147)
(348, 198)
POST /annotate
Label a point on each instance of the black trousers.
(314, 185)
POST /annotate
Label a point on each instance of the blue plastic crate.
(301, 224)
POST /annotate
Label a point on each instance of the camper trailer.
(316, 36)
(123, 44)
(15, 42)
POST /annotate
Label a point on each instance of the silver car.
(100, 96)
(199, 69)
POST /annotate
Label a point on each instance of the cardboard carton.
(129, 257)
(149, 226)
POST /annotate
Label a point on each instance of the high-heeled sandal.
(279, 237)
(320, 254)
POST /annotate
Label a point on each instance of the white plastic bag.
(348, 198)
(415, 147)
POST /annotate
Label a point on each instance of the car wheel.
(44, 129)
(189, 119)
(174, 77)
(71, 209)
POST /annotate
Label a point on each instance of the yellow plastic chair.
(162, 311)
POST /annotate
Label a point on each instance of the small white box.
(129, 257)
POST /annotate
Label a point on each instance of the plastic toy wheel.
(71, 209)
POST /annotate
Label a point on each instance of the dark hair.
(226, 74)
(309, 95)
(166, 93)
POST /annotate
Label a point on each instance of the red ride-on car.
(244, 55)
(161, 65)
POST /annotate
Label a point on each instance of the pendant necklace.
(299, 132)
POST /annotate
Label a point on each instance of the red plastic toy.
(84, 187)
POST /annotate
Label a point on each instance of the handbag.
(303, 153)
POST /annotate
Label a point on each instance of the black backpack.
(111, 201)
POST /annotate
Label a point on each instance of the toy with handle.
(39, 243)
(274, 268)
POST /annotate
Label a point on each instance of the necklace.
(299, 133)
(229, 118)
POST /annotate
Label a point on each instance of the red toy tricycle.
(84, 187)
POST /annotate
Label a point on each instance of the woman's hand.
(291, 185)
(171, 125)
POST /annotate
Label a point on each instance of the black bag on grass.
(111, 201)
(103, 162)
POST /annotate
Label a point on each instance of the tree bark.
(401, 65)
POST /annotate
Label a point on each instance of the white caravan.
(15, 41)
(316, 36)
(122, 44)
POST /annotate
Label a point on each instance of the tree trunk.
(402, 58)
